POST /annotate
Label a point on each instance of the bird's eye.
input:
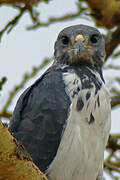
(65, 40)
(94, 38)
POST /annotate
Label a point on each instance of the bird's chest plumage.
(80, 152)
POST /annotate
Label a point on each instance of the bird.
(63, 119)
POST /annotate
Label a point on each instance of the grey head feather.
(90, 50)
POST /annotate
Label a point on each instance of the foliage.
(107, 16)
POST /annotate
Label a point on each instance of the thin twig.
(110, 66)
(11, 24)
(66, 17)
(26, 77)
(2, 82)
(6, 115)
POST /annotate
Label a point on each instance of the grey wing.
(40, 117)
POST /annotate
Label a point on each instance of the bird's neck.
(63, 66)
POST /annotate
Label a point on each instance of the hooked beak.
(78, 44)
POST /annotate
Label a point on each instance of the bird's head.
(80, 44)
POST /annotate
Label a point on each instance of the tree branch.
(113, 143)
(106, 13)
(2, 82)
(28, 6)
(15, 162)
(112, 163)
(11, 24)
(115, 101)
(112, 40)
(12, 93)
(5, 114)
(66, 17)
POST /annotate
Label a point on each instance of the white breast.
(81, 150)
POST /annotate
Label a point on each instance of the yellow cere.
(79, 37)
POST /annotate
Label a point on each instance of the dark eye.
(94, 38)
(65, 40)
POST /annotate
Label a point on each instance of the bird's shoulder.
(48, 92)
